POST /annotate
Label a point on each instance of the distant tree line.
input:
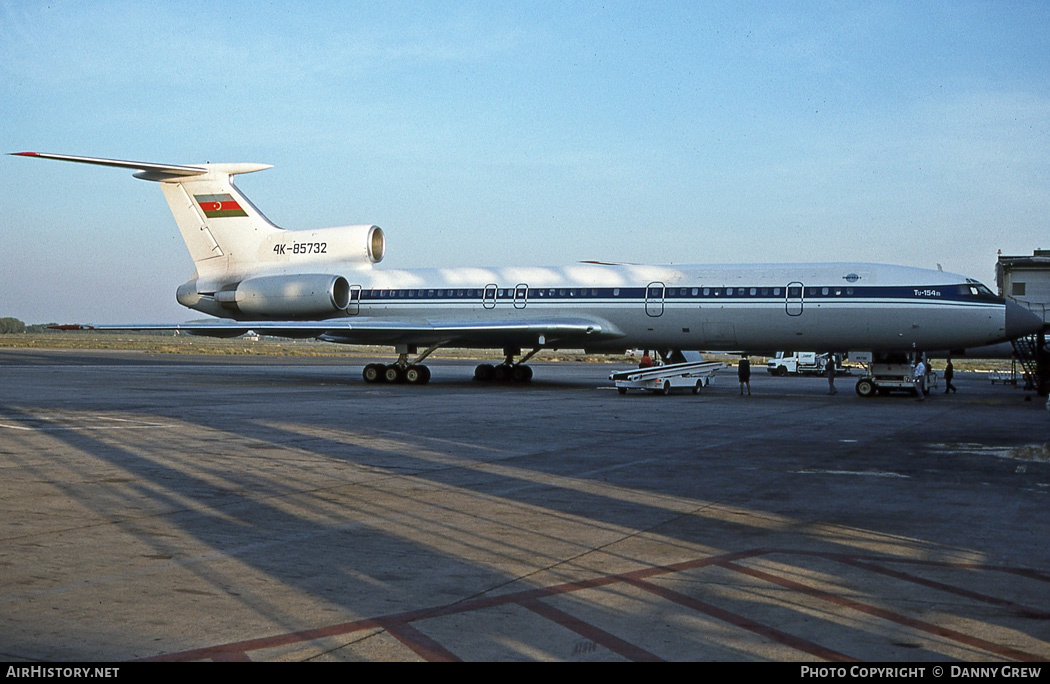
(40, 328)
(11, 325)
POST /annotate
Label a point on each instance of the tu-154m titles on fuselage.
(323, 284)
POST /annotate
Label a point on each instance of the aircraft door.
(521, 295)
(354, 307)
(654, 299)
(793, 300)
(488, 298)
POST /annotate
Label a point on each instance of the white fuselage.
(834, 306)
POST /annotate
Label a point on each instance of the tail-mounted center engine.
(353, 246)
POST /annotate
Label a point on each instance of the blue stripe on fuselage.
(960, 293)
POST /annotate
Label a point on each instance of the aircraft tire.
(865, 388)
(373, 372)
(502, 373)
(484, 372)
(522, 373)
(394, 373)
(417, 375)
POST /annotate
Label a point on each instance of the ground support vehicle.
(662, 379)
(802, 363)
(799, 363)
(887, 373)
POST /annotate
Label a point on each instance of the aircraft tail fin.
(222, 229)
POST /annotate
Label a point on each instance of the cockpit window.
(975, 290)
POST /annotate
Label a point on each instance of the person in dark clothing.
(830, 369)
(949, 373)
(743, 372)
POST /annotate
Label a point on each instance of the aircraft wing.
(384, 331)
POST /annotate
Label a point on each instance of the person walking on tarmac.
(919, 376)
(949, 373)
(830, 368)
(743, 372)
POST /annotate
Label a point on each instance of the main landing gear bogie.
(504, 372)
(508, 371)
(413, 374)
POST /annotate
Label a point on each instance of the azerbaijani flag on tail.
(219, 206)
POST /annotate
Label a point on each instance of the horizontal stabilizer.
(151, 170)
(150, 167)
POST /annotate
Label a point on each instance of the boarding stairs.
(1031, 352)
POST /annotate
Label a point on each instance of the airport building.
(1026, 280)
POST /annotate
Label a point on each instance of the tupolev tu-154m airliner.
(323, 284)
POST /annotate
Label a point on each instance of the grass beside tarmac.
(168, 343)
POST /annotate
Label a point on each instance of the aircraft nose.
(1020, 321)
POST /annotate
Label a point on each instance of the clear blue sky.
(496, 133)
